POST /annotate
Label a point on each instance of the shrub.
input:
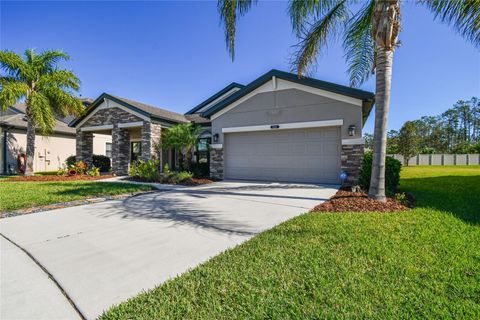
(392, 173)
(98, 160)
(146, 170)
(94, 172)
(201, 170)
(101, 162)
(70, 161)
(179, 177)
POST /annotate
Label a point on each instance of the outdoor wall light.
(351, 130)
(215, 137)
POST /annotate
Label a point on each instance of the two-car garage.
(295, 155)
(284, 128)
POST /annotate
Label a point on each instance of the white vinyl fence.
(440, 159)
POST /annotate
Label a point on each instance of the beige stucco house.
(50, 151)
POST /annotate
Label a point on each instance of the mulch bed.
(55, 178)
(196, 181)
(344, 201)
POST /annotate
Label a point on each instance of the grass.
(17, 195)
(422, 263)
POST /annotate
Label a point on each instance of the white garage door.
(299, 155)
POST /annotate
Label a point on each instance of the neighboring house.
(278, 127)
(50, 151)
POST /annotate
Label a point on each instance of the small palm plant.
(183, 137)
(47, 90)
(369, 30)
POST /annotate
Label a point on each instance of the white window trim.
(284, 126)
(131, 124)
(97, 128)
(109, 104)
(281, 84)
(111, 148)
(347, 142)
(216, 146)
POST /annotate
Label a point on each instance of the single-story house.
(50, 151)
(278, 127)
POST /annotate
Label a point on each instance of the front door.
(135, 150)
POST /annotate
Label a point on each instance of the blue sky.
(172, 54)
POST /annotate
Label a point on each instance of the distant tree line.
(456, 130)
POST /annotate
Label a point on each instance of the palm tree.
(46, 90)
(183, 137)
(369, 30)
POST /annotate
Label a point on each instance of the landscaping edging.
(61, 205)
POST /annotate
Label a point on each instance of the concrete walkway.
(104, 253)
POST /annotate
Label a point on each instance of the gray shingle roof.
(18, 121)
(145, 109)
(155, 111)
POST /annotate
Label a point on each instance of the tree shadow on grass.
(459, 195)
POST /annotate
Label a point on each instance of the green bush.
(392, 173)
(149, 171)
(146, 170)
(99, 161)
(179, 177)
(70, 161)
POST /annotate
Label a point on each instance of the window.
(108, 149)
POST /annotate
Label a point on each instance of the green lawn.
(17, 195)
(423, 263)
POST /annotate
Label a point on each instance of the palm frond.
(315, 37)
(359, 46)
(302, 11)
(230, 11)
(59, 78)
(11, 90)
(40, 112)
(463, 15)
(12, 64)
(63, 103)
(50, 58)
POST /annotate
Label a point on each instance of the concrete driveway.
(103, 253)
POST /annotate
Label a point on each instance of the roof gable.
(364, 96)
(135, 107)
(219, 96)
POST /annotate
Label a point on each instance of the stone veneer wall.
(216, 163)
(111, 116)
(84, 146)
(151, 135)
(352, 158)
(120, 150)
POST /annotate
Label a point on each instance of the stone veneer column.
(151, 135)
(120, 150)
(84, 146)
(216, 163)
(352, 158)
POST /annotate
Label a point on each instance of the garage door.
(299, 155)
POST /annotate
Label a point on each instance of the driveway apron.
(105, 253)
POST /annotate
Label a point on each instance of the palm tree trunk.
(384, 61)
(30, 147)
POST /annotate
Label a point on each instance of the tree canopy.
(47, 90)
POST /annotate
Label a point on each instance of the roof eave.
(215, 96)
